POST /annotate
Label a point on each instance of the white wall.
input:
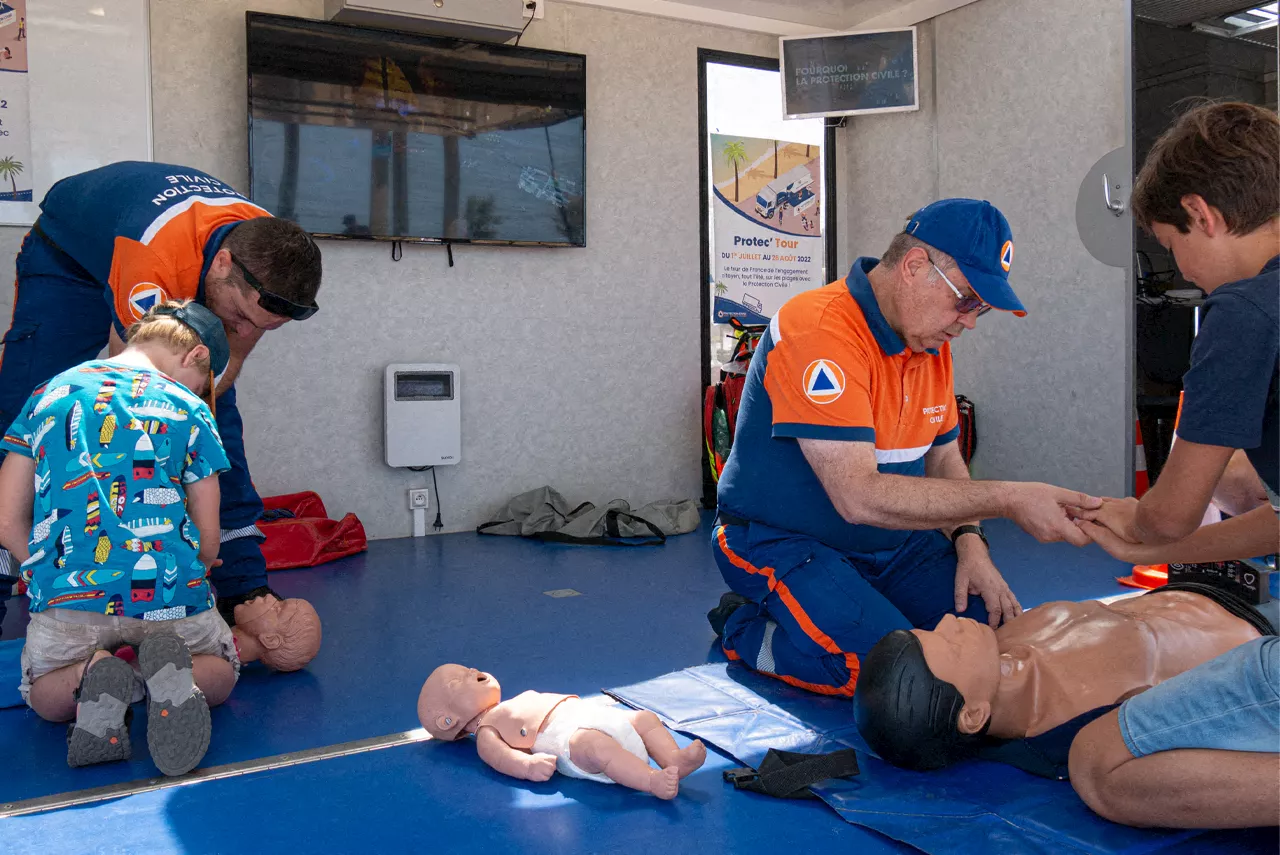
(1019, 100)
(579, 366)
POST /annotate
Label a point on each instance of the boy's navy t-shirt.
(1230, 392)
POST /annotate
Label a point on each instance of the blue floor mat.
(437, 799)
(10, 673)
(406, 605)
(1002, 808)
(392, 614)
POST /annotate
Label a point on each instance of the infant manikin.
(535, 734)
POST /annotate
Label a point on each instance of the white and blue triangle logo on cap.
(823, 381)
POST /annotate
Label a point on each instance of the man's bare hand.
(976, 575)
(1047, 512)
(1117, 515)
(1118, 547)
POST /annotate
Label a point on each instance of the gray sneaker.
(100, 733)
(178, 725)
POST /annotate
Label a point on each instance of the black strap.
(1045, 755)
(789, 774)
(277, 514)
(612, 536)
(726, 518)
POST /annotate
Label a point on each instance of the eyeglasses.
(274, 303)
(964, 305)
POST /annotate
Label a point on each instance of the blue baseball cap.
(208, 327)
(978, 237)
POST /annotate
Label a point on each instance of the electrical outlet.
(419, 499)
(533, 9)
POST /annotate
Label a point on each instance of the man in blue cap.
(846, 509)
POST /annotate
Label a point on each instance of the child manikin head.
(286, 631)
(452, 697)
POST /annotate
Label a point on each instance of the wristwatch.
(970, 529)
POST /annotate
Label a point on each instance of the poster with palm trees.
(775, 182)
(766, 225)
(15, 130)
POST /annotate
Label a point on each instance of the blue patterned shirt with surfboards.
(115, 447)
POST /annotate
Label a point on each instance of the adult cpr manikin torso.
(1063, 659)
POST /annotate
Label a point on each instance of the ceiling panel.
(1178, 13)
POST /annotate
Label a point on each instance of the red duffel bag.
(309, 537)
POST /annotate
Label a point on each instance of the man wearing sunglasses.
(114, 242)
(846, 510)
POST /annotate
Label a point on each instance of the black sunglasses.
(274, 303)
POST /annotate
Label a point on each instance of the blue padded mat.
(10, 673)
(1002, 808)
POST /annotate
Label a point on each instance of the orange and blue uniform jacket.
(110, 244)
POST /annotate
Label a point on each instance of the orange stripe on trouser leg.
(801, 617)
(850, 661)
(784, 593)
(845, 691)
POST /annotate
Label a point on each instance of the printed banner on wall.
(15, 126)
(766, 225)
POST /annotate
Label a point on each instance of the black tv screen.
(359, 132)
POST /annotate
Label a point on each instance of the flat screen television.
(364, 133)
(849, 74)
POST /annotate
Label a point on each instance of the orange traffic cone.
(1140, 483)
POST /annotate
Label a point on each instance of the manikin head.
(452, 697)
(287, 631)
(924, 699)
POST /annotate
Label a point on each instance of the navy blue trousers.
(815, 610)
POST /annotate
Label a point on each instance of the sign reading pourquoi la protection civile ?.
(767, 225)
(849, 74)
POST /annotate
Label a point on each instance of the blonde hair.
(167, 330)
